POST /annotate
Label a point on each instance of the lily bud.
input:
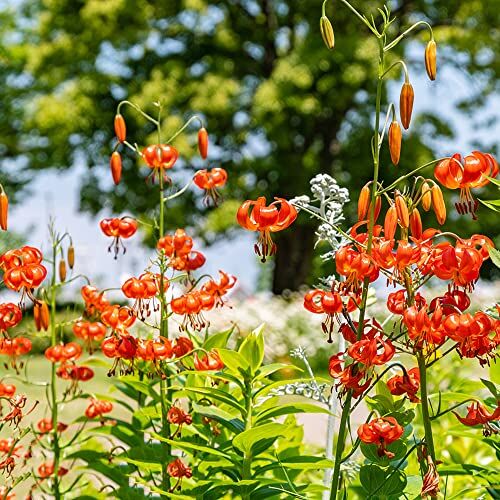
(62, 270)
(4, 210)
(116, 167)
(327, 32)
(41, 315)
(363, 202)
(390, 223)
(120, 128)
(426, 197)
(438, 204)
(395, 138)
(203, 142)
(402, 210)
(406, 104)
(378, 206)
(71, 256)
(416, 224)
(430, 60)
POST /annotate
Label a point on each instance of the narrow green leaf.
(187, 446)
(234, 361)
(494, 256)
(289, 409)
(248, 440)
(494, 181)
(218, 340)
(267, 370)
(488, 204)
(223, 417)
(219, 395)
(491, 387)
(252, 349)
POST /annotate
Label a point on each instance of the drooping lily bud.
(402, 210)
(116, 167)
(62, 270)
(4, 210)
(426, 197)
(41, 315)
(203, 142)
(416, 224)
(71, 256)
(120, 128)
(390, 223)
(438, 204)
(395, 139)
(327, 32)
(376, 211)
(363, 202)
(406, 104)
(430, 59)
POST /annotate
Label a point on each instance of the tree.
(279, 106)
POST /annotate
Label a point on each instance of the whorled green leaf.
(381, 483)
(234, 361)
(370, 451)
(247, 442)
(296, 462)
(289, 409)
(267, 370)
(140, 386)
(494, 256)
(252, 349)
(229, 421)
(190, 447)
(217, 340)
(492, 388)
(217, 394)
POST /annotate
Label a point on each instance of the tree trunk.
(294, 258)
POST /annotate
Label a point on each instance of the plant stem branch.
(429, 441)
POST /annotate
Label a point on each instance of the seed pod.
(203, 142)
(438, 204)
(430, 59)
(116, 167)
(71, 256)
(62, 270)
(402, 210)
(416, 224)
(426, 197)
(390, 223)
(406, 104)
(395, 138)
(120, 128)
(326, 29)
(41, 315)
(363, 202)
(378, 206)
(4, 210)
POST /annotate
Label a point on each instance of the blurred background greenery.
(280, 107)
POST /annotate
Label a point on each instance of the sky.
(56, 194)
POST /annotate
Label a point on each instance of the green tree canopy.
(280, 107)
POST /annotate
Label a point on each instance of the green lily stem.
(247, 459)
(346, 411)
(424, 402)
(165, 390)
(53, 378)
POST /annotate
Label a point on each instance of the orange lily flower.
(466, 173)
(382, 432)
(267, 219)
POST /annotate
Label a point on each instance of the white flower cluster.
(327, 204)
